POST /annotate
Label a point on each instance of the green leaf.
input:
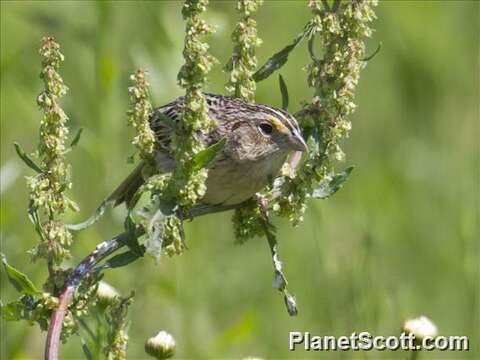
(205, 157)
(121, 259)
(11, 311)
(284, 91)
(310, 48)
(34, 218)
(18, 279)
(132, 239)
(26, 159)
(91, 220)
(327, 189)
(86, 350)
(155, 229)
(76, 139)
(277, 60)
(377, 50)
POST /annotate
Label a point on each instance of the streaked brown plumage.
(259, 140)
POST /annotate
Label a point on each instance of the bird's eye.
(266, 128)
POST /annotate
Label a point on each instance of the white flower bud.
(161, 346)
(420, 327)
(106, 294)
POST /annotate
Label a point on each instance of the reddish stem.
(87, 265)
(56, 324)
(102, 251)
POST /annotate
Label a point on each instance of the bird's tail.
(126, 190)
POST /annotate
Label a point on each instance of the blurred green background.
(400, 240)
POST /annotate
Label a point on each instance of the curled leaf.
(283, 91)
(290, 303)
(26, 159)
(311, 50)
(377, 50)
(76, 139)
(91, 220)
(330, 187)
(34, 218)
(280, 281)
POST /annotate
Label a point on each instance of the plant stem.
(280, 282)
(56, 321)
(102, 251)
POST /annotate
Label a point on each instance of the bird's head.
(281, 129)
(256, 131)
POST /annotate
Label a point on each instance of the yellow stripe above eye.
(277, 124)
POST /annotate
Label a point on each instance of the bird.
(259, 139)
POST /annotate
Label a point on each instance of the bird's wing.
(162, 122)
(164, 119)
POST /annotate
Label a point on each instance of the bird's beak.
(297, 142)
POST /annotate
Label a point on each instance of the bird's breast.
(233, 182)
